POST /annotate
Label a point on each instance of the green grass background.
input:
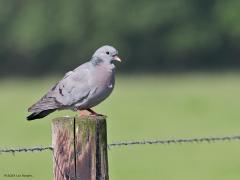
(141, 107)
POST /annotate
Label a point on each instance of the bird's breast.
(103, 84)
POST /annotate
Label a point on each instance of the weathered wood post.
(80, 148)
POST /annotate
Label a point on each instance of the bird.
(82, 88)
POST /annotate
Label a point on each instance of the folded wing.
(73, 88)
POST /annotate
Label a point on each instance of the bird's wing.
(73, 88)
(48, 101)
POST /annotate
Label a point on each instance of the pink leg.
(94, 113)
(84, 113)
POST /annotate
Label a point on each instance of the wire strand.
(174, 141)
(25, 149)
(132, 143)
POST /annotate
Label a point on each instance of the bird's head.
(106, 54)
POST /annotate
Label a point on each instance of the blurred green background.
(179, 78)
(141, 107)
(53, 36)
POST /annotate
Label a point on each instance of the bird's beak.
(116, 58)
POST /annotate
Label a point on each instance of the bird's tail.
(39, 115)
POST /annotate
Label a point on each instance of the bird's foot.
(84, 113)
(88, 112)
(93, 113)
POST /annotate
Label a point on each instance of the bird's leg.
(94, 113)
(82, 112)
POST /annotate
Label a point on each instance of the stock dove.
(81, 89)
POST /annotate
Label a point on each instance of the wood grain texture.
(80, 148)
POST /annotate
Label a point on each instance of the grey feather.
(38, 115)
(84, 87)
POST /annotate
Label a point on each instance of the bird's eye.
(107, 52)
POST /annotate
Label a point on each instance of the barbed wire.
(25, 149)
(132, 143)
(175, 141)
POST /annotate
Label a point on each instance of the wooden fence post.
(80, 148)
